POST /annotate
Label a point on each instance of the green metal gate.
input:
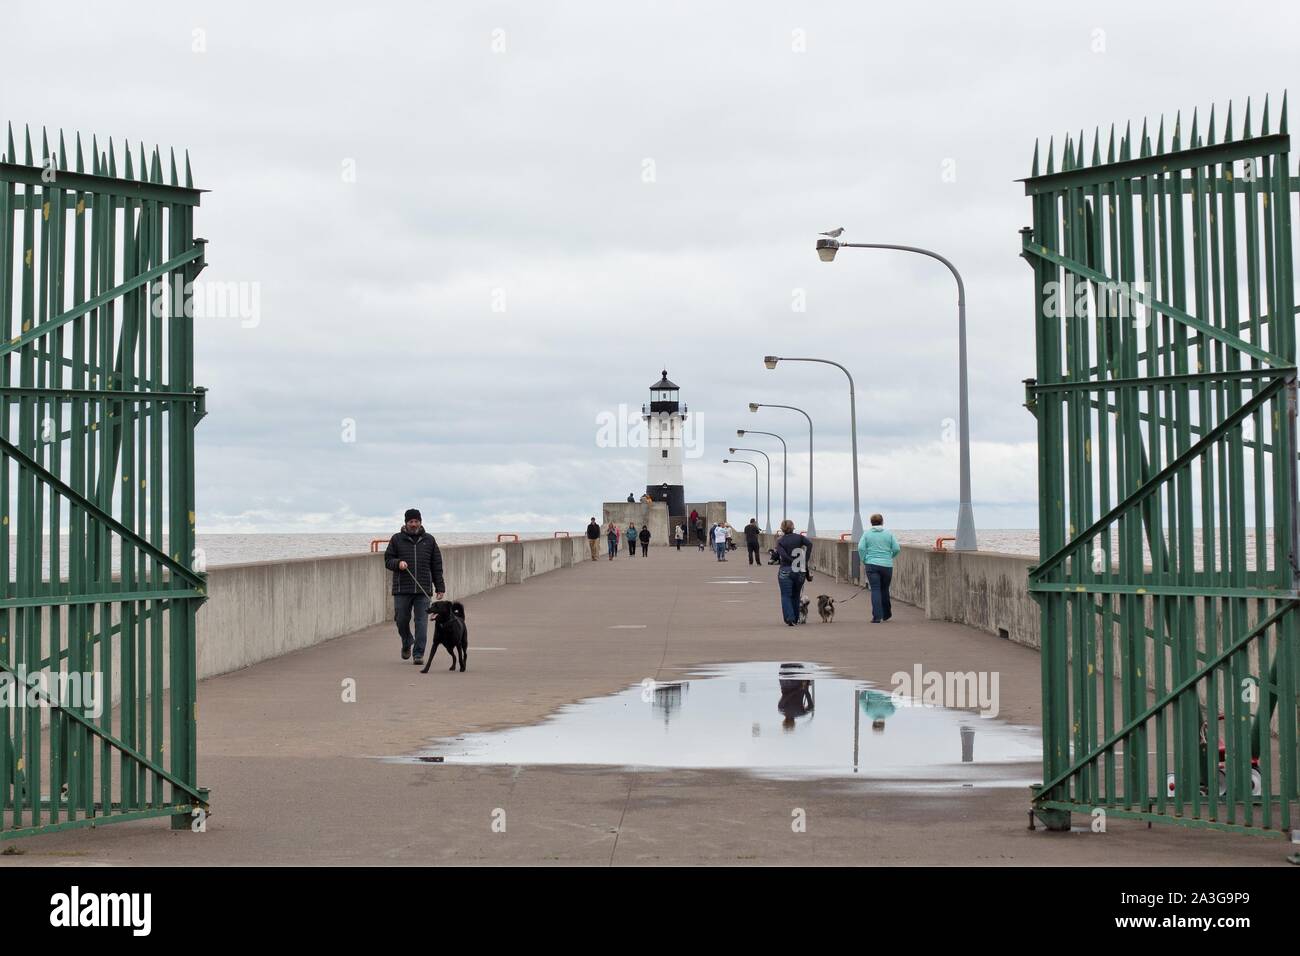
(1166, 408)
(97, 416)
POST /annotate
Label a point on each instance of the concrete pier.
(297, 774)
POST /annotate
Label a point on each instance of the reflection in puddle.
(771, 718)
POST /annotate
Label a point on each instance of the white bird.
(833, 233)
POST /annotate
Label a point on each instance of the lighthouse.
(664, 418)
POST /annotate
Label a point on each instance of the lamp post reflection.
(878, 707)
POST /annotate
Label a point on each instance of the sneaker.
(419, 661)
(406, 653)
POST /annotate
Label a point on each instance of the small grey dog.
(826, 608)
(803, 610)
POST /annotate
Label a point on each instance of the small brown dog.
(826, 608)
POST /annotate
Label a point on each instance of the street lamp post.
(768, 529)
(770, 361)
(785, 462)
(826, 249)
(754, 407)
(741, 461)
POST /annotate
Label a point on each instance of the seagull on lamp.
(833, 233)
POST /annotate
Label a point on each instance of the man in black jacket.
(416, 563)
(751, 541)
(593, 536)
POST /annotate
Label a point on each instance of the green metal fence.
(1166, 406)
(97, 415)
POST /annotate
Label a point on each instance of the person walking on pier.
(794, 552)
(699, 531)
(751, 541)
(720, 541)
(413, 557)
(644, 536)
(630, 534)
(877, 550)
(593, 537)
(678, 534)
(612, 535)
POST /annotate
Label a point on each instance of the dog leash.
(418, 585)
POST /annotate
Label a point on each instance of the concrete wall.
(982, 589)
(623, 513)
(260, 611)
(713, 511)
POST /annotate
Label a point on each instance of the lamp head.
(740, 432)
(731, 451)
(826, 249)
(770, 360)
(726, 461)
(753, 406)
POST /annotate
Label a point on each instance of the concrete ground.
(295, 777)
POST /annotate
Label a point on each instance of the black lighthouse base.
(674, 495)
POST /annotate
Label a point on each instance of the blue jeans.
(790, 582)
(878, 577)
(721, 549)
(613, 547)
(403, 605)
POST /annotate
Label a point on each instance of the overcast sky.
(469, 230)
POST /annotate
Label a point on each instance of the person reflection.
(796, 695)
(877, 706)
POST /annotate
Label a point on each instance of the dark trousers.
(679, 544)
(645, 548)
(752, 547)
(403, 605)
(631, 545)
(879, 576)
(790, 584)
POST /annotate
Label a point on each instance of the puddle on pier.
(771, 718)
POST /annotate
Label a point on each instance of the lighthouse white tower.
(664, 418)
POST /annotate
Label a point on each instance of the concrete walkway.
(295, 779)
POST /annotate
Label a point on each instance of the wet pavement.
(773, 718)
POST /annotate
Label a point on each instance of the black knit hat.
(413, 513)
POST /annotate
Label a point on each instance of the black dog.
(449, 631)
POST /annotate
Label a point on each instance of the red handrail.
(938, 542)
(558, 534)
(845, 536)
(375, 543)
(507, 534)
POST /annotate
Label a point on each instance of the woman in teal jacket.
(877, 549)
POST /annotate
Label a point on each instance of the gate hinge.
(199, 264)
(1031, 397)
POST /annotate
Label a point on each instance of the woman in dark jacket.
(794, 552)
(612, 535)
(644, 538)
